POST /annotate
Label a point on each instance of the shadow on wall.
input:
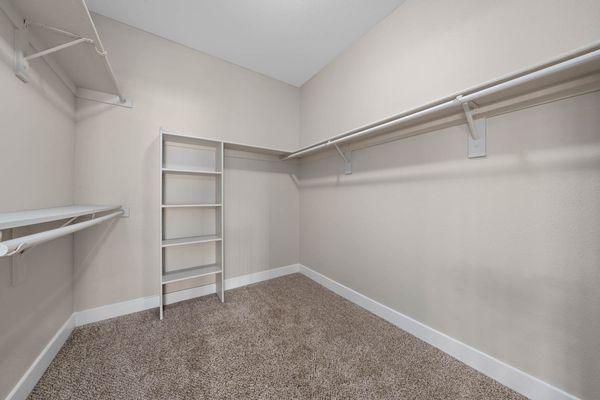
(443, 155)
(32, 303)
(569, 158)
(85, 255)
(88, 109)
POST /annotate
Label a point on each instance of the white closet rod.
(13, 246)
(456, 102)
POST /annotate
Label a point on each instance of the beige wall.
(36, 157)
(501, 253)
(428, 49)
(117, 162)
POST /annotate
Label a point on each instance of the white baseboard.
(38, 367)
(114, 310)
(231, 283)
(145, 303)
(187, 294)
(507, 375)
(256, 277)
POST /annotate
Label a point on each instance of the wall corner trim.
(509, 376)
(43, 360)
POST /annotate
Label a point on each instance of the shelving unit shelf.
(191, 213)
(191, 240)
(190, 205)
(189, 273)
(190, 171)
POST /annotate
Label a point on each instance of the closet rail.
(14, 246)
(459, 102)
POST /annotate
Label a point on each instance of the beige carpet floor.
(288, 338)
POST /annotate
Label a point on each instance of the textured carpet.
(288, 338)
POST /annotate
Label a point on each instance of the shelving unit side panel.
(220, 278)
(160, 219)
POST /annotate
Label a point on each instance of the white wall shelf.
(63, 33)
(17, 219)
(191, 273)
(228, 145)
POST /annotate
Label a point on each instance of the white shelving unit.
(191, 211)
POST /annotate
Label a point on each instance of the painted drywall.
(36, 156)
(429, 49)
(117, 162)
(501, 253)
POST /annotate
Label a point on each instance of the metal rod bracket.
(125, 212)
(347, 157)
(58, 48)
(21, 64)
(477, 131)
(17, 269)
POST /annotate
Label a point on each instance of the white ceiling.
(289, 40)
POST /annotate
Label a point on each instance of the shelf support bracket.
(347, 157)
(477, 131)
(57, 48)
(17, 261)
(22, 44)
(21, 64)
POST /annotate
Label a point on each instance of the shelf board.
(190, 139)
(190, 171)
(190, 240)
(190, 205)
(32, 217)
(256, 149)
(190, 273)
(187, 138)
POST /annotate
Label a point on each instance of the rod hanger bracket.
(125, 212)
(21, 44)
(477, 130)
(347, 157)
